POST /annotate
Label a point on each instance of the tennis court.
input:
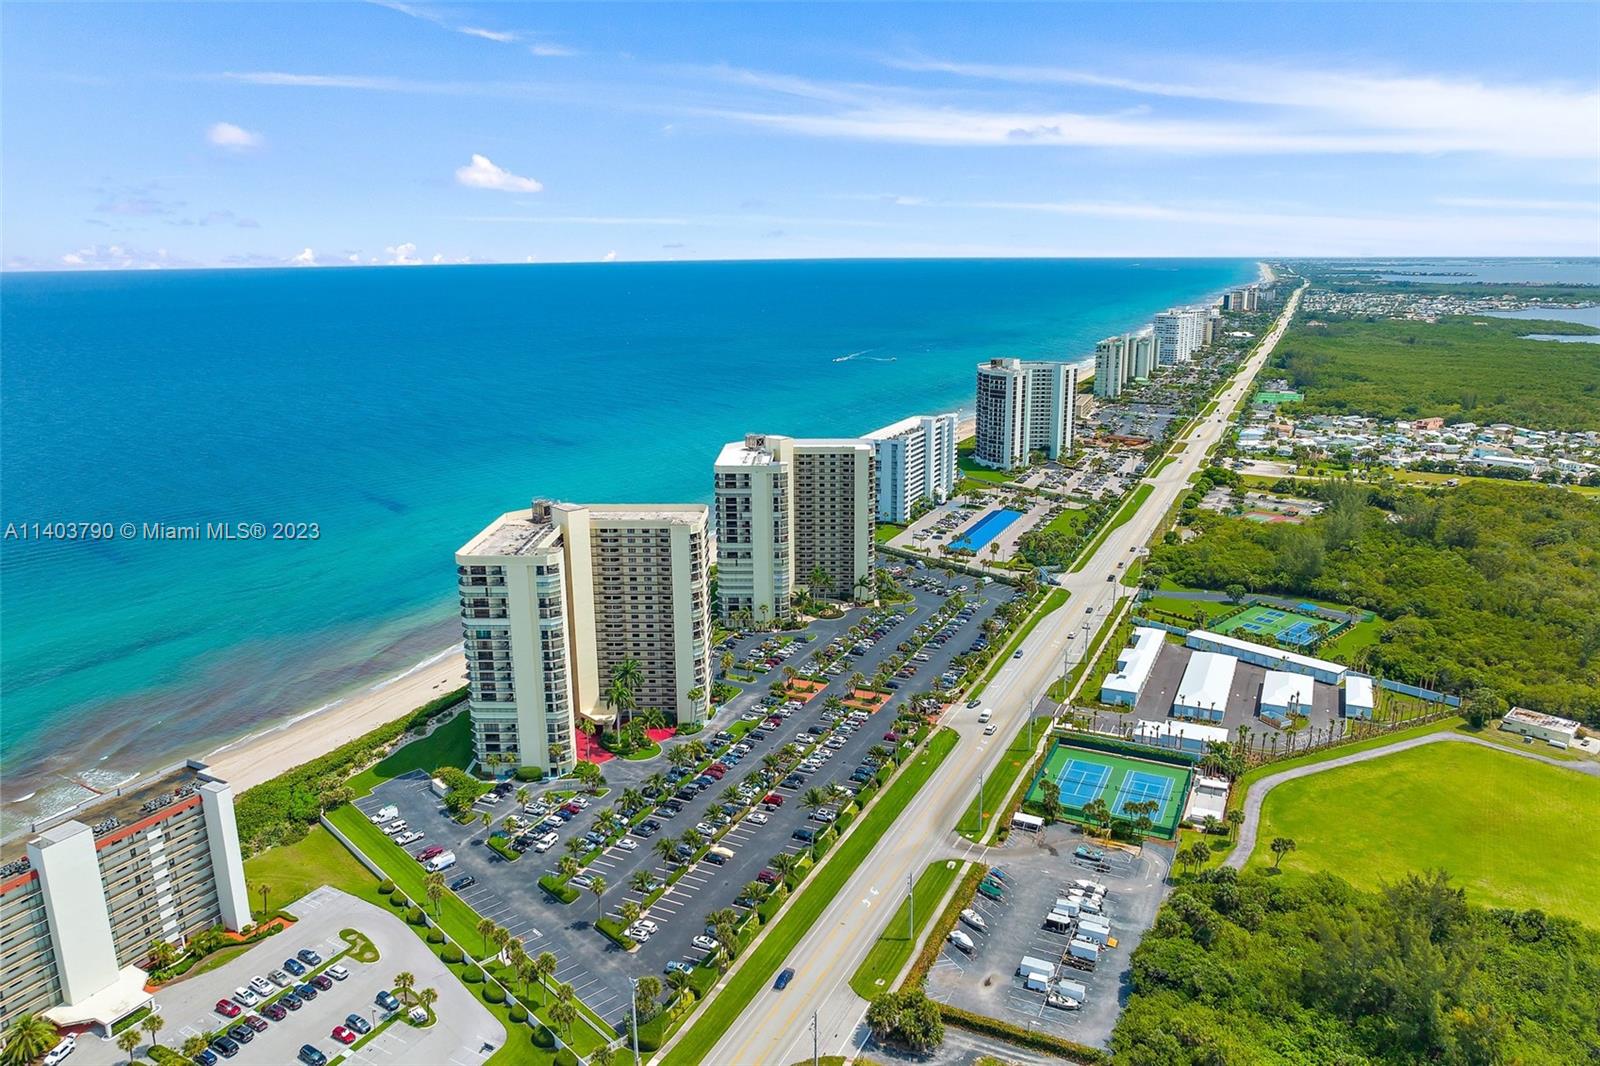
(1286, 627)
(1084, 775)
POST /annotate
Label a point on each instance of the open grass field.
(1069, 521)
(1512, 832)
(291, 870)
(892, 949)
(448, 745)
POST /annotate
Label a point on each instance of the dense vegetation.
(1463, 369)
(1260, 969)
(1492, 587)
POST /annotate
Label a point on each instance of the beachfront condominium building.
(86, 893)
(555, 597)
(1145, 359)
(1179, 334)
(793, 512)
(1113, 366)
(1023, 408)
(916, 460)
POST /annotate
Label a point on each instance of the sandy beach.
(259, 758)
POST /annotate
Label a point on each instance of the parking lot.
(464, 1035)
(508, 892)
(1041, 868)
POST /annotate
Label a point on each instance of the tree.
(485, 929)
(404, 982)
(500, 938)
(558, 755)
(433, 888)
(562, 1011)
(665, 846)
(813, 798)
(164, 953)
(641, 881)
(1050, 800)
(1201, 852)
(152, 1024)
(427, 997)
(568, 867)
(726, 662)
(1097, 813)
(786, 864)
(629, 912)
(1281, 846)
(128, 1040)
(604, 1055)
(28, 1039)
(623, 691)
(909, 1018)
(645, 993)
(523, 795)
(1234, 592)
(544, 967)
(598, 886)
(678, 981)
(192, 1047)
(693, 839)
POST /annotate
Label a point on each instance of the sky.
(329, 134)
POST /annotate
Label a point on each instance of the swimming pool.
(986, 529)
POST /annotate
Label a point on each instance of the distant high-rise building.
(84, 897)
(916, 460)
(1113, 365)
(552, 598)
(1179, 334)
(1022, 408)
(791, 511)
(1144, 354)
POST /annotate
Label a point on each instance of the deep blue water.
(985, 529)
(400, 410)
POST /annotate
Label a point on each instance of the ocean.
(398, 410)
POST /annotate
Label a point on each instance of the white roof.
(1306, 661)
(1135, 662)
(1281, 689)
(1206, 680)
(124, 995)
(1185, 730)
(1357, 690)
(1543, 721)
(906, 425)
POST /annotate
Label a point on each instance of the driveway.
(464, 1035)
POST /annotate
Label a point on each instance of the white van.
(442, 861)
(985, 714)
(546, 842)
(385, 813)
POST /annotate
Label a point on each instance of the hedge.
(564, 893)
(941, 928)
(543, 1037)
(436, 935)
(472, 975)
(451, 955)
(1039, 1041)
(528, 773)
(493, 994)
(414, 916)
(385, 887)
(519, 1014)
(398, 898)
(565, 1057)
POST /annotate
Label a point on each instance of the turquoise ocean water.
(399, 410)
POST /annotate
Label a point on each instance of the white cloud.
(1493, 203)
(306, 258)
(402, 254)
(438, 257)
(548, 49)
(500, 36)
(116, 257)
(354, 258)
(234, 138)
(481, 173)
(609, 257)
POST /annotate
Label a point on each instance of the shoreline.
(308, 733)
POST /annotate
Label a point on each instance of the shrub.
(472, 975)
(543, 1037)
(414, 916)
(451, 955)
(493, 994)
(519, 1014)
(436, 935)
(565, 1057)
(529, 773)
(385, 887)
(397, 899)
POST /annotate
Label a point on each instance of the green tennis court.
(1084, 775)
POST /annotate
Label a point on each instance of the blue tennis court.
(1138, 786)
(1081, 782)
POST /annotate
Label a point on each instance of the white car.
(261, 986)
(756, 817)
(703, 829)
(244, 997)
(706, 943)
(410, 838)
(628, 844)
(338, 973)
(988, 730)
(637, 934)
(647, 925)
(61, 1051)
(580, 801)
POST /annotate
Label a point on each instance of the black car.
(647, 828)
(311, 1056)
(290, 1000)
(225, 1046)
(783, 979)
(309, 957)
(305, 992)
(804, 834)
(242, 1033)
(468, 881)
(793, 781)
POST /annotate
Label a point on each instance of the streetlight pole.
(911, 907)
(633, 1011)
(814, 1039)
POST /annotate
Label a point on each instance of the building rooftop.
(1135, 662)
(1206, 680)
(514, 533)
(689, 514)
(752, 451)
(905, 425)
(1357, 690)
(1552, 722)
(108, 811)
(1280, 689)
(1305, 661)
(1147, 730)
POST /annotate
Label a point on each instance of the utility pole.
(813, 1039)
(633, 1010)
(911, 907)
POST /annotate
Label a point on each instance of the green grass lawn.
(1512, 832)
(893, 947)
(292, 870)
(1186, 609)
(804, 909)
(998, 786)
(1068, 521)
(886, 532)
(1361, 635)
(449, 745)
(1129, 508)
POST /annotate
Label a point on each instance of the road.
(775, 1027)
(1257, 795)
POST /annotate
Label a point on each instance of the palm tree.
(265, 890)
(544, 967)
(525, 972)
(153, 1024)
(128, 1040)
(631, 800)
(678, 981)
(656, 783)
(1281, 846)
(605, 1055)
(814, 798)
(645, 991)
(193, 1046)
(164, 953)
(427, 997)
(692, 838)
(641, 881)
(485, 930)
(568, 867)
(28, 1039)
(665, 847)
(433, 888)
(785, 864)
(598, 886)
(622, 693)
(726, 662)
(404, 982)
(755, 889)
(501, 937)
(629, 911)
(1235, 819)
(523, 795)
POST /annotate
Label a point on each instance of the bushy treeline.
(1489, 588)
(1244, 969)
(280, 811)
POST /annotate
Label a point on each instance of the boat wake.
(865, 355)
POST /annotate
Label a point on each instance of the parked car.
(309, 957)
(276, 1011)
(244, 997)
(58, 1053)
(279, 978)
(261, 986)
(228, 1009)
(306, 992)
(225, 1046)
(358, 1023)
(290, 1000)
(256, 1022)
(241, 1033)
(338, 973)
(463, 882)
(323, 982)
(706, 943)
(679, 966)
(311, 1056)
(386, 1000)
(343, 1035)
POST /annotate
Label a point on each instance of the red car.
(427, 853)
(773, 799)
(228, 1009)
(343, 1035)
(767, 877)
(717, 770)
(572, 808)
(891, 737)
